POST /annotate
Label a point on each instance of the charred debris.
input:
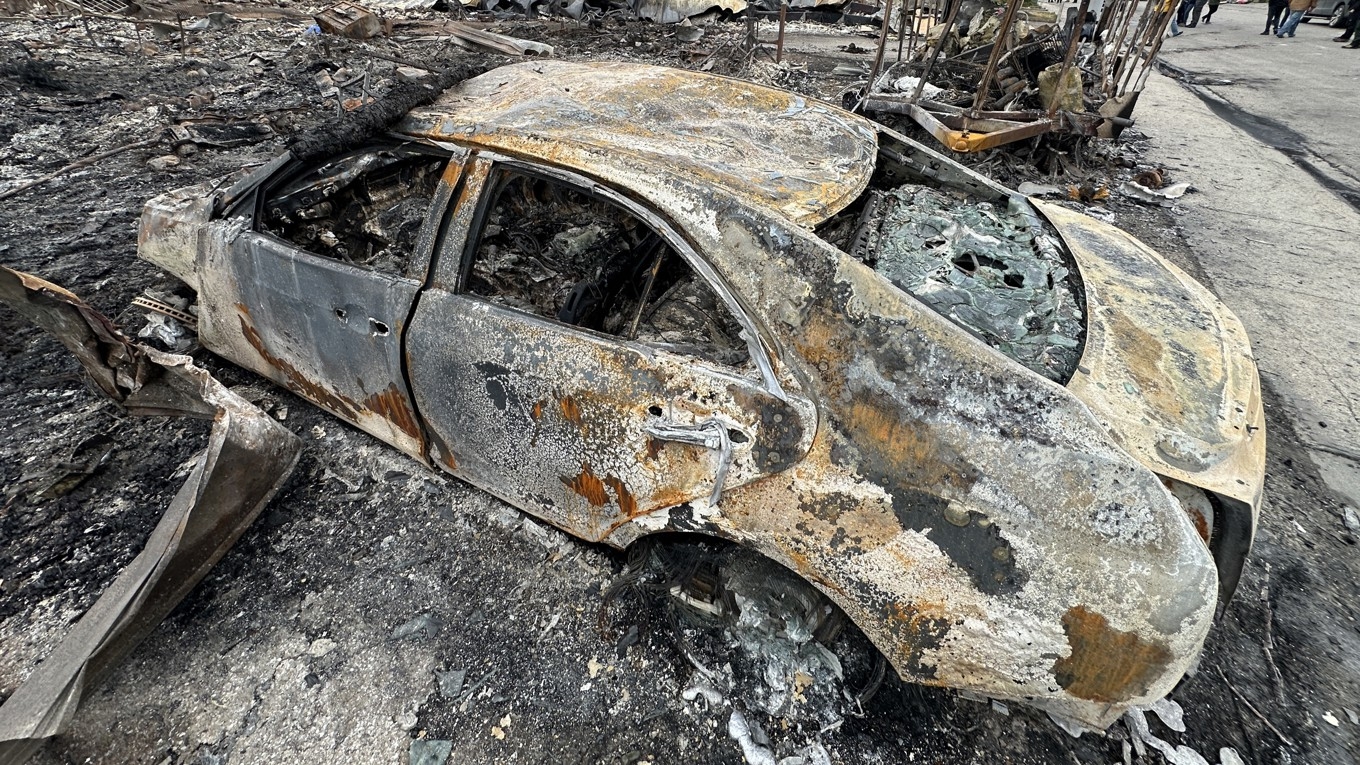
(973, 74)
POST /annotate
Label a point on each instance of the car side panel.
(561, 422)
(325, 330)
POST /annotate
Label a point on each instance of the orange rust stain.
(1143, 356)
(1201, 523)
(801, 562)
(450, 460)
(653, 448)
(571, 410)
(670, 496)
(392, 406)
(822, 345)
(588, 485)
(298, 382)
(627, 503)
(538, 410)
(899, 443)
(902, 558)
(1106, 665)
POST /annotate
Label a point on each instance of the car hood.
(1167, 368)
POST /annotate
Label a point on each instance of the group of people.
(1282, 17)
(1188, 13)
(1284, 26)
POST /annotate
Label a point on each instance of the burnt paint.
(571, 410)
(296, 381)
(914, 633)
(392, 406)
(498, 387)
(588, 485)
(592, 488)
(627, 503)
(780, 434)
(978, 547)
(916, 471)
(1106, 665)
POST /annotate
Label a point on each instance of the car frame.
(1063, 544)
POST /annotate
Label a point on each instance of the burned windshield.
(983, 265)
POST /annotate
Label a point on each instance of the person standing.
(1352, 15)
(1169, 7)
(1296, 10)
(1183, 12)
(1213, 6)
(1273, 13)
(1198, 8)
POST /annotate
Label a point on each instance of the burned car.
(1020, 450)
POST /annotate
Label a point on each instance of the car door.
(316, 292)
(574, 357)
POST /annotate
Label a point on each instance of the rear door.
(573, 357)
(316, 293)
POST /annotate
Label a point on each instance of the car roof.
(640, 126)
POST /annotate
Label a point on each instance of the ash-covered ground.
(377, 611)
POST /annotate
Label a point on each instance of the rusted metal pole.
(1135, 44)
(1160, 28)
(779, 44)
(902, 28)
(1073, 40)
(935, 52)
(1107, 70)
(878, 57)
(1003, 36)
(1152, 43)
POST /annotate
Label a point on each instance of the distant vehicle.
(1332, 10)
(1021, 450)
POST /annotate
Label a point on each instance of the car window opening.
(364, 209)
(976, 262)
(552, 250)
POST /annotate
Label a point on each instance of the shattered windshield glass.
(985, 268)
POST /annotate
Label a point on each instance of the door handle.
(710, 434)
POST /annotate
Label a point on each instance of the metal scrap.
(248, 457)
(1081, 75)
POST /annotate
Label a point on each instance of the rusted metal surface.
(802, 156)
(248, 457)
(1188, 403)
(332, 332)
(985, 136)
(1114, 63)
(987, 528)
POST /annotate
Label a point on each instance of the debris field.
(378, 611)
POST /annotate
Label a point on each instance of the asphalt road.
(1296, 94)
(1266, 130)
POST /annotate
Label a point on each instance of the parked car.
(1020, 449)
(1332, 10)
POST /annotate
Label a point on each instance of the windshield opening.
(989, 265)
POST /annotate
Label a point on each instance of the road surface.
(1271, 142)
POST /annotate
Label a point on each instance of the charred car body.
(1022, 451)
